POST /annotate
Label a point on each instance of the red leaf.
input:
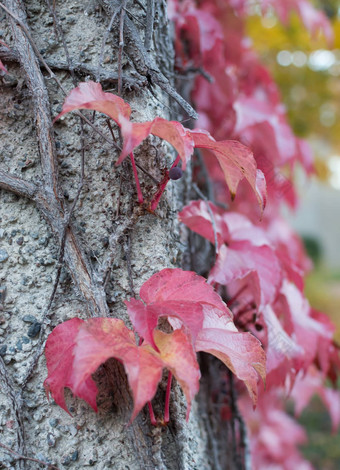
(310, 384)
(197, 217)
(240, 259)
(236, 160)
(75, 350)
(59, 359)
(202, 311)
(171, 131)
(178, 355)
(90, 95)
(174, 293)
(281, 351)
(103, 338)
(240, 352)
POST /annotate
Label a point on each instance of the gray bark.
(40, 169)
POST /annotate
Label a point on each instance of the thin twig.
(15, 398)
(142, 61)
(51, 73)
(150, 15)
(17, 185)
(114, 240)
(60, 33)
(130, 82)
(121, 46)
(155, 180)
(106, 35)
(24, 457)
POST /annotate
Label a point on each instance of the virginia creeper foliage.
(266, 329)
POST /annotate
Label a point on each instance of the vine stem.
(152, 414)
(167, 399)
(139, 191)
(161, 187)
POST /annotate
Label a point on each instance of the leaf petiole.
(167, 399)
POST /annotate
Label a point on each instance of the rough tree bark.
(74, 242)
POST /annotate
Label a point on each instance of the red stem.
(139, 191)
(167, 399)
(238, 293)
(152, 414)
(162, 186)
(176, 162)
(159, 192)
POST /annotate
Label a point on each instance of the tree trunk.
(74, 245)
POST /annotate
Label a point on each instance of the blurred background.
(307, 70)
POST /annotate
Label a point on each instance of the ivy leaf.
(175, 293)
(311, 384)
(59, 360)
(179, 357)
(186, 299)
(237, 162)
(240, 259)
(75, 349)
(240, 352)
(171, 131)
(90, 95)
(246, 249)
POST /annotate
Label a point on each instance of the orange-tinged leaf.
(189, 302)
(75, 349)
(175, 293)
(177, 354)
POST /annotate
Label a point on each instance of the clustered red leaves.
(201, 322)
(261, 264)
(236, 160)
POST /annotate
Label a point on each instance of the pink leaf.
(197, 217)
(240, 259)
(75, 349)
(90, 95)
(203, 313)
(59, 351)
(174, 293)
(312, 383)
(178, 356)
(171, 131)
(241, 353)
(236, 160)
(281, 351)
(103, 338)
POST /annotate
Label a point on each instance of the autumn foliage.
(264, 329)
